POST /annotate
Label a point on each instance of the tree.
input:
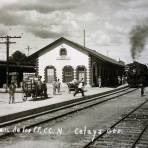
(20, 58)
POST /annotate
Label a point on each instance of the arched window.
(63, 52)
(50, 74)
(68, 74)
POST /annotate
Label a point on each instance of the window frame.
(63, 50)
(69, 74)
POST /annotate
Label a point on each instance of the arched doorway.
(68, 74)
(50, 74)
(81, 72)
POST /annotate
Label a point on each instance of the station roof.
(13, 65)
(85, 49)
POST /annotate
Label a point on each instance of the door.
(50, 74)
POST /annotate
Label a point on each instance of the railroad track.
(47, 116)
(133, 129)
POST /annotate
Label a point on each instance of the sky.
(107, 24)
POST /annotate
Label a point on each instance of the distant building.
(16, 72)
(67, 60)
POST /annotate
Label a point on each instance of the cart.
(33, 87)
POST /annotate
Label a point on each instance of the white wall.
(74, 58)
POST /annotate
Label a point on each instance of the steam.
(138, 38)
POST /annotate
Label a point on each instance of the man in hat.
(12, 88)
(80, 88)
(142, 85)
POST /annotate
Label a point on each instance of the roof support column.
(89, 72)
(75, 78)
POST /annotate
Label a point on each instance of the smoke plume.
(138, 36)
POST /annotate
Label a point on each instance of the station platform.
(21, 108)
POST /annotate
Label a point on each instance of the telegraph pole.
(28, 48)
(7, 42)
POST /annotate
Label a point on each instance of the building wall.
(51, 57)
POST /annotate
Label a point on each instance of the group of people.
(79, 87)
(38, 87)
(56, 86)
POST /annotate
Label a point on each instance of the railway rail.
(51, 115)
(134, 127)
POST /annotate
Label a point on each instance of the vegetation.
(20, 58)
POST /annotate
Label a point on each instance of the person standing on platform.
(123, 80)
(54, 84)
(58, 85)
(44, 87)
(142, 90)
(142, 86)
(119, 80)
(80, 88)
(12, 88)
(39, 83)
(99, 82)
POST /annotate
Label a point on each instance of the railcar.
(137, 74)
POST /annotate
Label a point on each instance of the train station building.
(66, 60)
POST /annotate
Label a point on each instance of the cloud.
(3, 30)
(33, 21)
(133, 14)
(62, 25)
(65, 24)
(40, 6)
(112, 28)
(11, 18)
(57, 20)
(43, 32)
(136, 3)
(106, 21)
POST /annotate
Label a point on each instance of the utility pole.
(28, 48)
(7, 42)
